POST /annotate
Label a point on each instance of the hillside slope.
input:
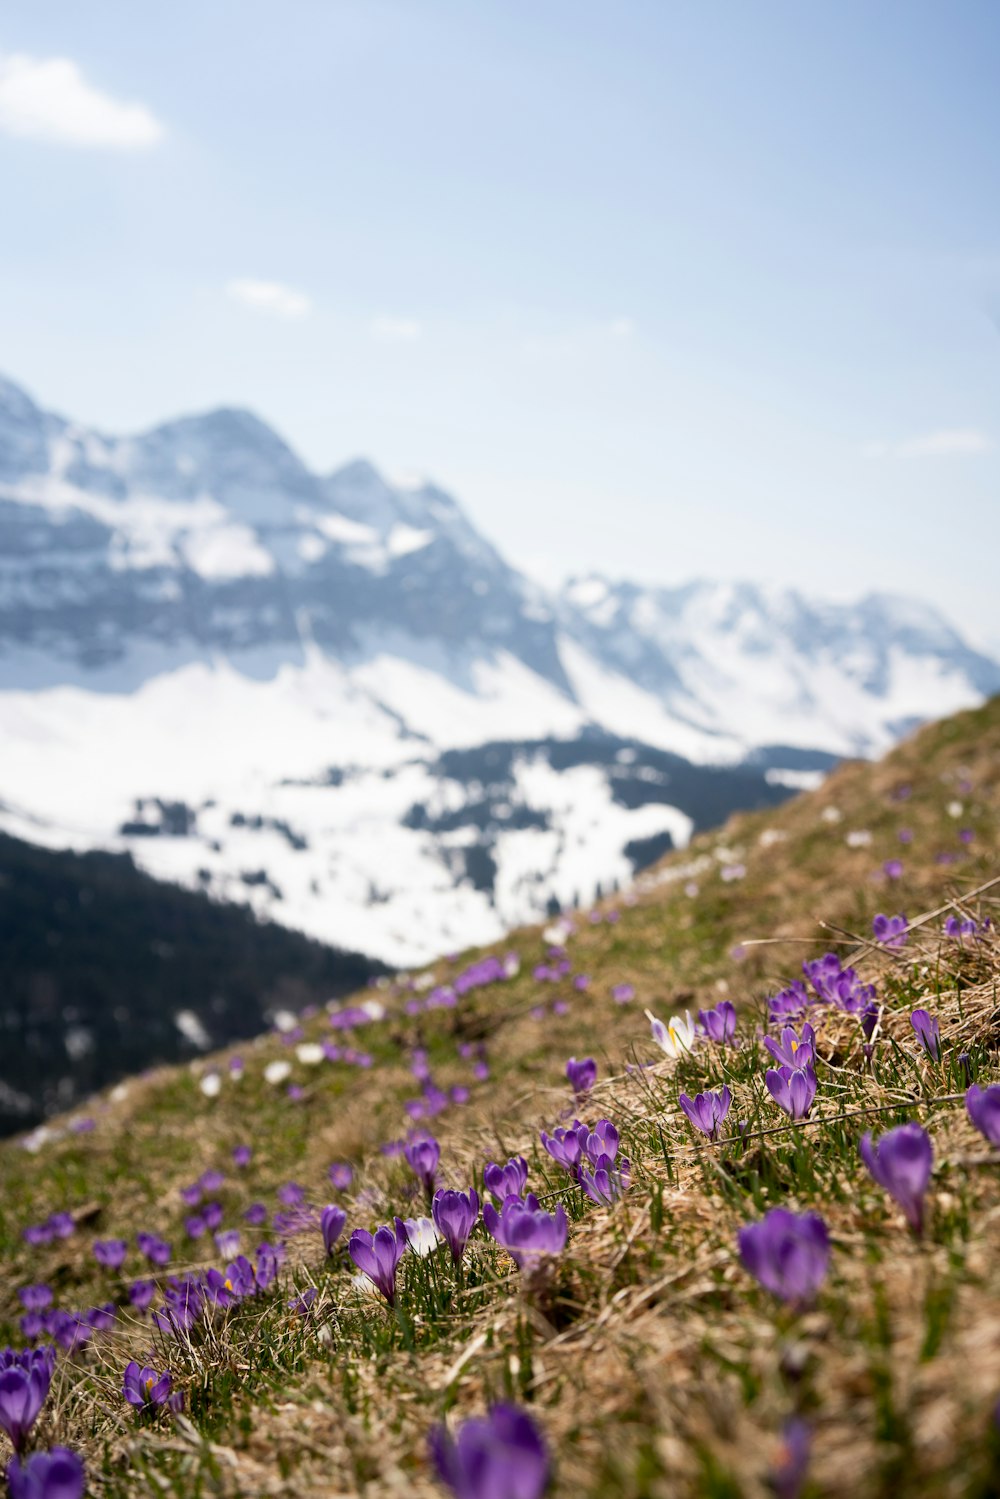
(652, 1360)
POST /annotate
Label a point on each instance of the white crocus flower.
(421, 1235)
(676, 1037)
(211, 1085)
(276, 1072)
(556, 934)
(309, 1053)
(365, 1287)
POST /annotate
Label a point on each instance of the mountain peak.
(228, 454)
(24, 431)
(15, 402)
(222, 427)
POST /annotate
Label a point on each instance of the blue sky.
(663, 289)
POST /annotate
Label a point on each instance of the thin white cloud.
(48, 99)
(269, 296)
(574, 343)
(395, 330)
(956, 442)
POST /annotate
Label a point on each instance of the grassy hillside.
(99, 959)
(649, 1357)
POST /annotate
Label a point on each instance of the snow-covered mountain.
(775, 666)
(331, 695)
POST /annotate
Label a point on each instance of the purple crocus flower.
(144, 1388)
(194, 1225)
(61, 1225)
(35, 1298)
(901, 1162)
(606, 1182)
(57, 1474)
(787, 1252)
(291, 1195)
(242, 1155)
(789, 1473)
(602, 1140)
(268, 1260)
(506, 1181)
(100, 1318)
(838, 986)
(341, 1175)
(793, 1050)
(891, 931)
(526, 1232)
(967, 926)
(191, 1195)
(242, 1279)
(455, 1215)
(719, 1024)
(156, 1250)
(24, 1384)
(420, 1067)
(790, 1004)
(141, 1293)
(983, 1105)
(70, 1331)
(183, 1304)
(212, 1214)
(928, 1032)
(331, 1222)
(582, 1075)
(893, 869)
(255, 1215)
(301, 1220)
(422, 1155)
(501, 1456)
(564, 1146)
(110, 1253)
(792, 1088)
(378, 1255)
(706, 1111)
(211, 1181)
(302, 1304)
(220, 1289)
